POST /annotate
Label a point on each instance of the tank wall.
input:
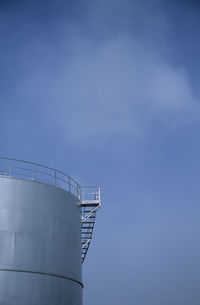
(40, 256)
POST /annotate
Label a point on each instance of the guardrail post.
(99, 194)
(35, 172)
(79, 192)
(69, 184)
(10, 168)
(55, 177)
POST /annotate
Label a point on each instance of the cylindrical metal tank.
(40, 243)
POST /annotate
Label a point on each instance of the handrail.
(89, 196)
(39, 173)
(40, 165)
(90, 193)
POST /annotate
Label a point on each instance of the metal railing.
(90, 193)
(88, 196)
(39, 173)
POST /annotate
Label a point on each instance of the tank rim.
(30, 171)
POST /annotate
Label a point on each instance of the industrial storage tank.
(46, 225)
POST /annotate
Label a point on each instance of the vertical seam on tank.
(14, 242)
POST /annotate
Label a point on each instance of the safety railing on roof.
(39, 173)
(88, 196)
(90, 193)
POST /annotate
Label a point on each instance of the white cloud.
(119, 86)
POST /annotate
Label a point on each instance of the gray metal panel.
(39, 234)
(6, 248)
(33, 289)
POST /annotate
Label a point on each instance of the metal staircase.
(90, 203)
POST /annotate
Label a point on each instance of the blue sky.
(108, 91)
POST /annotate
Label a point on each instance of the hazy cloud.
(119, 84)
